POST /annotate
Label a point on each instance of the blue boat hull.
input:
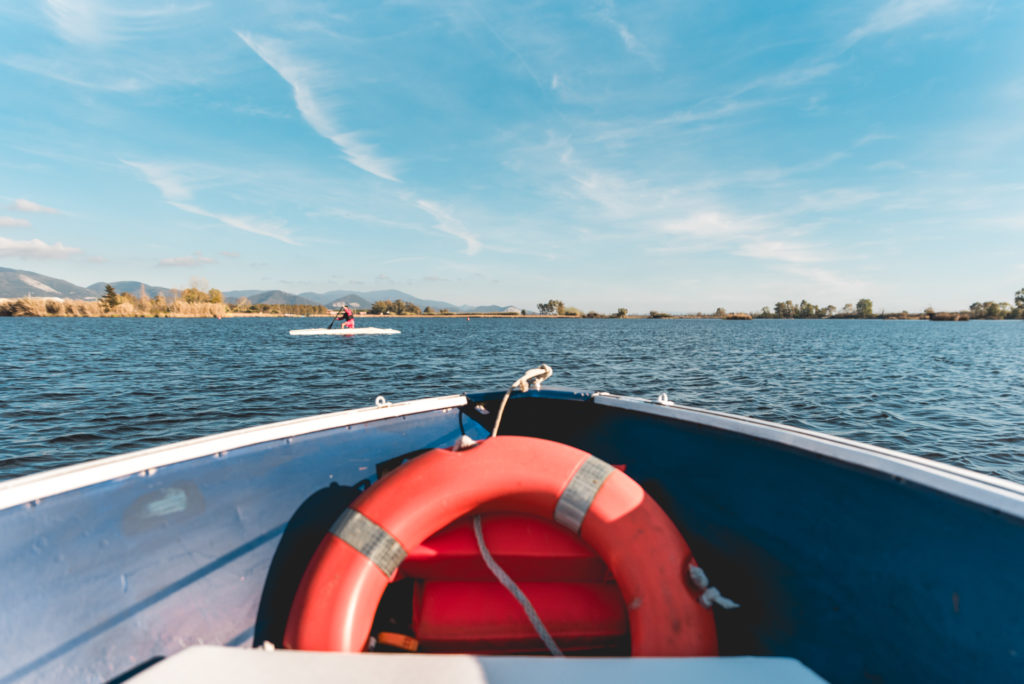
(860, 562)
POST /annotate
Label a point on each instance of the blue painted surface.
(99, 580)
(858, 575)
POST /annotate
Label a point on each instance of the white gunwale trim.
(985, 490)
(37, 486)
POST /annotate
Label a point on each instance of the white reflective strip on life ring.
(575, 501)
(369, 539)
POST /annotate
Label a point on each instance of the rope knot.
(711, 596)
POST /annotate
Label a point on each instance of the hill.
(364, 300)
(132, 287)
(15, 284)
(268, 297)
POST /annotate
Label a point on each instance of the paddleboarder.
(347, 317)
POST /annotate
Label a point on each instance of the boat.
(345, 331)
(649, 540)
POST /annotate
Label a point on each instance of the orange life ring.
(336, 602)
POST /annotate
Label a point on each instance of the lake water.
(78, 389)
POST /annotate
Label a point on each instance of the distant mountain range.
(15, 284)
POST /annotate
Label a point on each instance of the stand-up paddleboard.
(345, 331)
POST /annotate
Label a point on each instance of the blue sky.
(677, 156)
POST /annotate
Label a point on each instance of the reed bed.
(145, 308)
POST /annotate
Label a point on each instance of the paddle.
(336, 317)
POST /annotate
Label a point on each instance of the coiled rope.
(536, 375)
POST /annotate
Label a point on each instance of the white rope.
(537, 375)
(711, 595)
(513, 589)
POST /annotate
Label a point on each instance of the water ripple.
(75, 389)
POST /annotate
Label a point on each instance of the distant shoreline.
(126, 306)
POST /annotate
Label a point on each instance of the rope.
(513, 589)
(537, 375)
(711, 595)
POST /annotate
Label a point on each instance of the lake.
(74, 389)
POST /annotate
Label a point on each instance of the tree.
(193, 295)
(242, 304)
(622, 312)
(1018, 298)
(553, 306)
(110, 298)
(785, 309)
(720, 312)
(215, 296)
(864, 308)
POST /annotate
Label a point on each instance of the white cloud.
(835, 199)
(95, 22)
(778, 250)
(33, 208)
(897, 14)
(165, 178)
(60, 70)
(77, 21)
(302, 79)
(607, 15)
(831, 283)
(35, 249)
(723, 110)
(11, 222)
(446, 223)
(271, 229)
(791, 78)
(710, 224)
(195, 259)
(873, 137)
(554, 82)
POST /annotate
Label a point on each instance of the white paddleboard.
(345, 331)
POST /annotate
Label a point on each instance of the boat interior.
(845, 562)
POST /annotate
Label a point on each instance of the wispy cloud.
(835, 199)
(872, 137)
(77, 21)
(780, 250)
(832, 283)
(446, 223)
(11, 222)
(95, 21)
(35, 249)
(711, 224)
(195, 259)
(303, 79)
(167, 179)
(271, 229)
(791, 78)
(607, 16)
(897, 14)
(73, 74)
(171, 181)
(32, 207)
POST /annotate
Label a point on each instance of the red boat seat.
(459, 607)
(529, 549)
(483, 617)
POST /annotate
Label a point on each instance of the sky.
(673, 156)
